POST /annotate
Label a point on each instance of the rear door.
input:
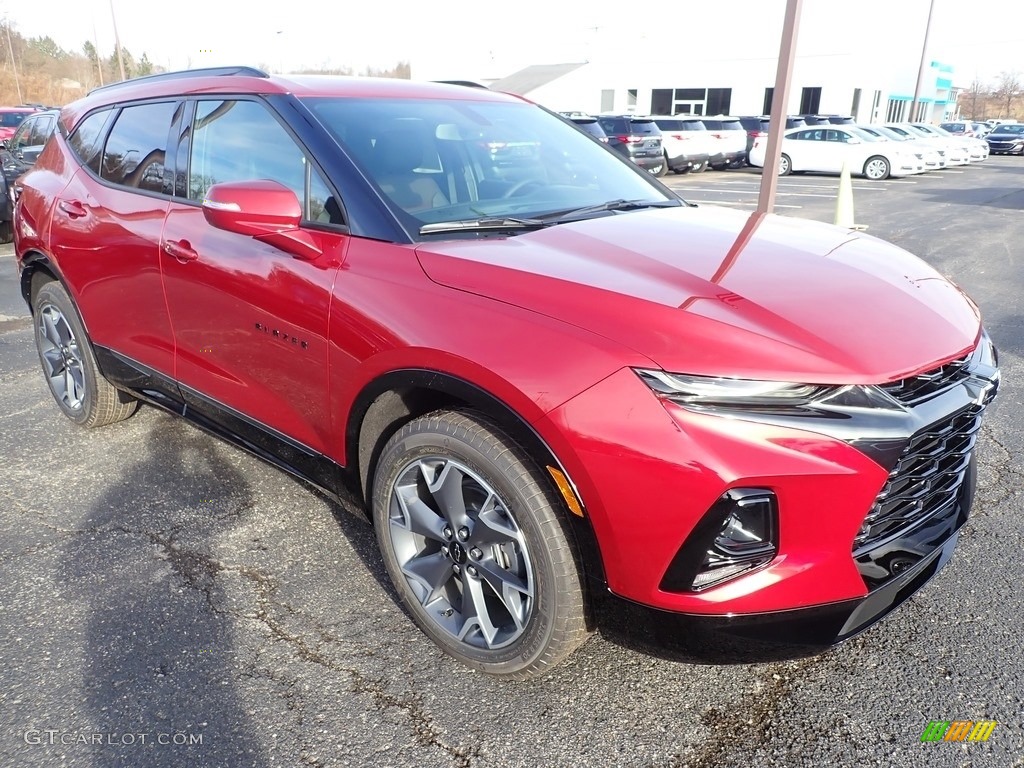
(110, 216)
(250, 321)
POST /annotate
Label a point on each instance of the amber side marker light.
(567, 492)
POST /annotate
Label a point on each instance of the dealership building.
(823, 83)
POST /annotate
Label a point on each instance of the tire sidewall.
(405, 448)
(53, 294)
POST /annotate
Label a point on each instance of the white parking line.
(734, 202)
(747, 192)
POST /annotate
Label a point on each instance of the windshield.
(439, 160)
(889, 133)
(861, 133)
(1010, 129)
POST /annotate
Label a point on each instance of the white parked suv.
(730, 147)
(687, 143)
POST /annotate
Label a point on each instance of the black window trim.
(116, 110)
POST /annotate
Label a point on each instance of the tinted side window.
(41, 131)
(87, 140)
(137, 145)
(242, 141)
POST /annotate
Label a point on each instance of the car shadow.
(1009, 197)
(159, 659)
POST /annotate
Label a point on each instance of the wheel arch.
(393, 399)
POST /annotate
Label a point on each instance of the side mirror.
(261, 209)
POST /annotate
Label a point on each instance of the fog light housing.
(738, 534)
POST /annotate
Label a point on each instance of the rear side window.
(87, 140)
(137, 145)
(41, 131)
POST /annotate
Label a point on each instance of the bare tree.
(976, 93)
(1008, 88)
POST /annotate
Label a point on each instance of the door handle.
(181, 250)
(72, 208)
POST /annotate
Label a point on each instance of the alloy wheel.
(461, 552)
(62, 358)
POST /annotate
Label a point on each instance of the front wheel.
(70, 368)
(475, 543)
(876, 168)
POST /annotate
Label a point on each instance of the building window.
(895, 112)
(875, 105)
(768, 94)
(608, 100)
(631, 98)
(855, 106)
(810, 101)
(661, 101)
(719, 101)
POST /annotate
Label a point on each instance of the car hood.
(718, 292)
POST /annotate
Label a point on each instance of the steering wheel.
(519, 185)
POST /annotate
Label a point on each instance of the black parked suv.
(19, 155)
(637, 138)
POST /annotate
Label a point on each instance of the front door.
(250, 321)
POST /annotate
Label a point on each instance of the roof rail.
(186, 73)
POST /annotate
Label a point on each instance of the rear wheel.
(876, 168)
(699, 167)
(785, 165)
(6, 232)
(662, 169)
(474, 541)
(68, 363)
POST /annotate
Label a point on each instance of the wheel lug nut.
(444, 550)
(463, 533)
(475, 553)
(471, 570)
(447, 532)
(457, 568)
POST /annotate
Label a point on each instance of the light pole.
(920, 69)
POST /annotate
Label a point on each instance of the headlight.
(732, 393)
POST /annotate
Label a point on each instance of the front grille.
(918, 388)
(927, 476)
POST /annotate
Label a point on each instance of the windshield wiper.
(571, 214)
(483, 224)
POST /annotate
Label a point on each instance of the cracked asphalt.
(166, 600)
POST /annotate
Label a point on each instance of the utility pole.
(920, 70)
(117, 42)
(14, 63)
(96, 47)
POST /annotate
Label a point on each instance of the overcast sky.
(489, 39)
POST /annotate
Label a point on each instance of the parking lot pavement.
(167, 600)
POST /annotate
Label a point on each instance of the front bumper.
(649, 475)
(1005, 147)
(758, 637)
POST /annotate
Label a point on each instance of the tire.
(699, 167)
(785, 165)
(65, 353)
(662, 169)
(876, 168)
(6, 232)
(457, 498)
(719, 166)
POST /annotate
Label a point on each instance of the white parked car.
(686, 141)
(955, 151)
(826, 149)
(977, 148)
(933, 158)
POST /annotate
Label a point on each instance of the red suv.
(545, 376)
